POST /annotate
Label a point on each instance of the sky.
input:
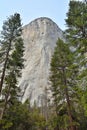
(32, 9)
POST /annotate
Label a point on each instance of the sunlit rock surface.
(40, 38)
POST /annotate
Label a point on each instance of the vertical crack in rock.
(40, 38)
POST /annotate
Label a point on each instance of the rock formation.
(40, 38)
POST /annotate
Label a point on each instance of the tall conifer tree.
(11, 41)
(76, 33)
(63, 73)
(77, 29)
(11, 52)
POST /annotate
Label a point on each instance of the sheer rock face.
(40, 38)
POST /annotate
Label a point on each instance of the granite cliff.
(40, 38)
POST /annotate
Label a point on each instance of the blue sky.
(31, 9)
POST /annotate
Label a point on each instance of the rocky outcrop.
(40, 38)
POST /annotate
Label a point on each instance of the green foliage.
(76, 20)
(12, 48)
(21, 117)
(11, 52)
(77, 29)
(76, 33)
(5, 124)
(38, 120)
(63, 84)
(17, 117)
(62, 59)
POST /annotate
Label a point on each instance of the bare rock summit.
(40, 38)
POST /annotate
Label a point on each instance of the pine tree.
(12, 60)
(63, 73)
(76, 33)
(10, 37)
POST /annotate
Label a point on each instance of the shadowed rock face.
(40, 38)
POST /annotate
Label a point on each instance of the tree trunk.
(2, 79)
(68, 102)
(4, 67)
(5, 105)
